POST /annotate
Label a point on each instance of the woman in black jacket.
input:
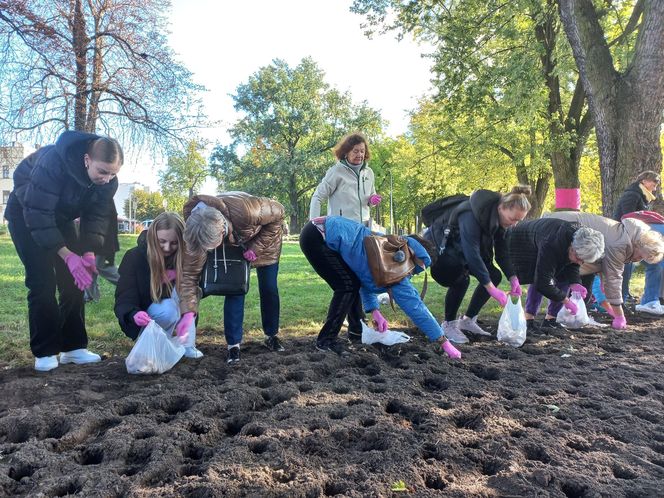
(478, 228)
(149, 276)
(546, 254)
(636, 197)
(74, 178)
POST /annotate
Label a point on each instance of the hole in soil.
(259, 447)
(491, 467)
(579, 445)
(396, 406)
(471, 444)
(377, 389)
(537, 453)
(264, 382)
(138, 455)
(303, 388)
(129, 408)
(435, 384)
(430, 450)
(194, 452)
(517, 433)
(341, 389)
(471, 421)
(289, 360)
(573, 489)
(371, 370)
(176, 404)
(640, 390)
(335, 488)
(355, 401)
(91, 456)
(282, 476)
(199, 428)
(486, 373)
(656, 461)
(368, 422)
(620, 472)
(58, 428)
(67, 488)
(533, 424)
(191, 470)
(254, 430)
(20, 471)
(338, 413)
(295, 376)
(20, 434)
(146, 434)
(375, 441)
(509, 395)
(434, 481)
(378, 379)
(235, 424)
(131, 470)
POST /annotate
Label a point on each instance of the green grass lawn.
(304, 301)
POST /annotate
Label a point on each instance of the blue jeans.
(627, 276)
(268, 292)
(653, 287)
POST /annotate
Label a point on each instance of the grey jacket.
(347, 193)
(619, 242)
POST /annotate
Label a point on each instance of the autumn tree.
(282, 144)
(96, 66)
(184, 175)
(626, 104)
(144, 205)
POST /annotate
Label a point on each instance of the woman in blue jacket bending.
(335, 248)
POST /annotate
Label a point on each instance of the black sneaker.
(552, 327)
(531, 328)
(355, 337)
(333, 347)
(274, 344)
(233, 355)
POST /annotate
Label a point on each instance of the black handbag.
(226, 272)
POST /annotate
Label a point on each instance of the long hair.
(158, 263)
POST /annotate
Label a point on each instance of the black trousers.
(451, 271)
(345, 285)
(56, 325)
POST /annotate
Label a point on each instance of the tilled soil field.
(577, 414)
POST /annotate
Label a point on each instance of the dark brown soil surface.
(501, 422)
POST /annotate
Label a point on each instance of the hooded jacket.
(539, 254)
(132, 293)
(619, 241)
(632, 199)
(346, 237)
(255, 223)
(52, 188)
(346, 192)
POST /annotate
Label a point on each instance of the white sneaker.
(192, 352)
(453, 333)
(653, 307)
(470, 325)
(79, 356)
(46, 363)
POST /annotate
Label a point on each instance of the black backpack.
(441, 208)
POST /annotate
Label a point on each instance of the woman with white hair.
(256, 224)
(546, 253)
(627, 241)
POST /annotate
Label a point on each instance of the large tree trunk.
(293, 198)
(626, 108)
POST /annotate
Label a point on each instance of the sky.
(223, 43)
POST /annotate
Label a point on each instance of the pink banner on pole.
(568, 198)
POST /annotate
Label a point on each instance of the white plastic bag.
(389, 337)
(154, 352)
(512, 325)
(579, 320)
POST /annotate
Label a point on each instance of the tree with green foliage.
(144, 205)
(281, 146)
(184, 174)
(627, 102)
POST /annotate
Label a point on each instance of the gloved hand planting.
(381, 323)
(82, 277)
(170, 275)
(449, 348)
(375, 199)
(573, 308)
(90, 263)
(515, 287)
(498, 295)
(141, 318)
(183, 326)
(619, 322)
(580, 289)
(249, 255)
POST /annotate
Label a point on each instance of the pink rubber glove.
(381, 323)
(515, 287)
(375, 199)
(619, 322)
(142, 318)
(82, 277)
(182, 328)
(498, 295)
(249, 255)
(451, 351)
(89, 262)
(573, 309)
(170, 275)
(580, 289)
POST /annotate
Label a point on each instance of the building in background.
(10, 156)
(127, 210)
